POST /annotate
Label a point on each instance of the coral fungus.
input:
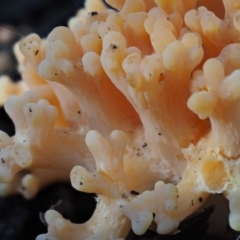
(139, 105)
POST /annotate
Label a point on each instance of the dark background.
(19, 218)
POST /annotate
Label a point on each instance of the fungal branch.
(116, 203)
(83, 75)
(156, 86)
(220, 99)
